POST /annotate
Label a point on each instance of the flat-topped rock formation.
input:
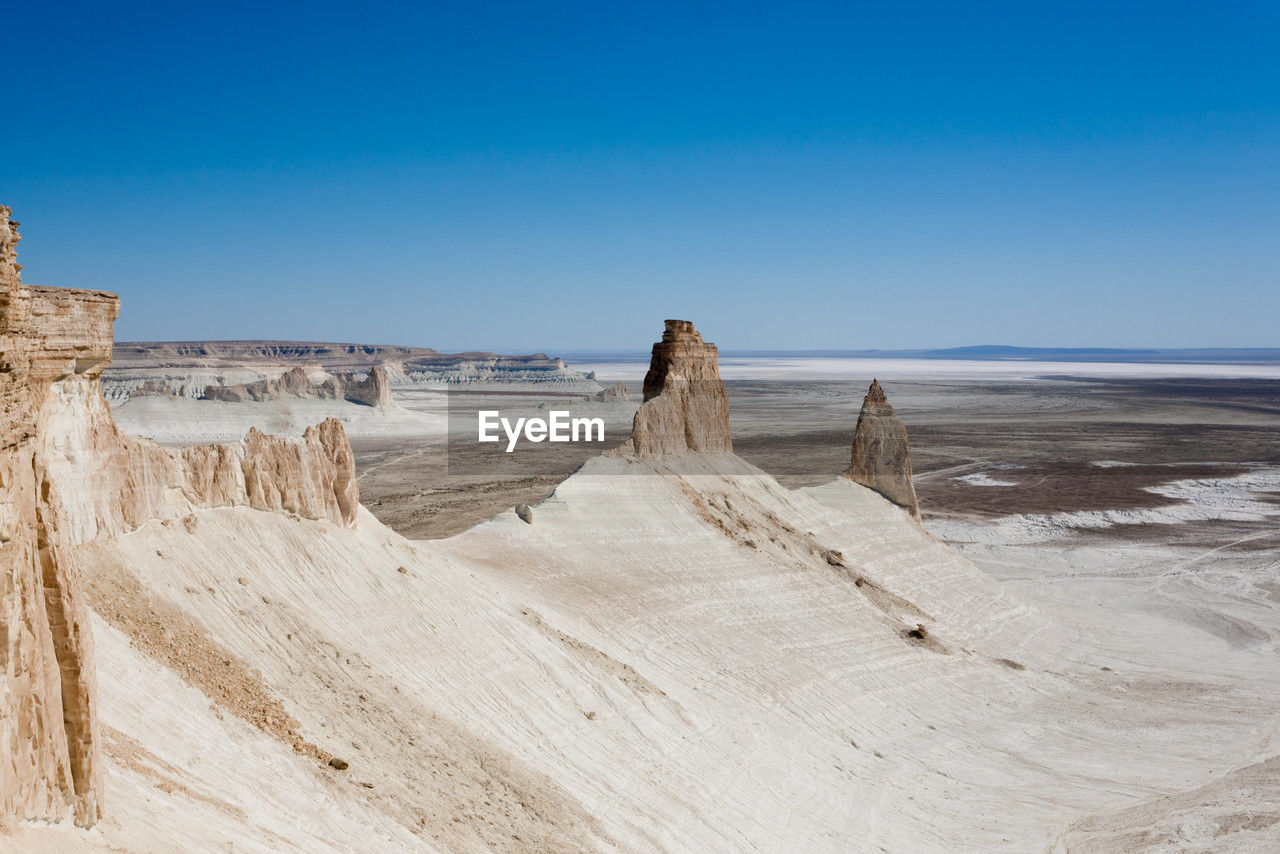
(331, 356)
(68, 476)
(685, 409)
(881, 456)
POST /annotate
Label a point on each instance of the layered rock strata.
(193, 365)
(881, 455)
(67, 476)
(49, 764)
(685, 409)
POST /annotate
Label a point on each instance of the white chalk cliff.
(69, 477)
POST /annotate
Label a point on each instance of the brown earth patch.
(163, 631)
(1060, 487)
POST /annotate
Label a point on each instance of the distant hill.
(1001, 353)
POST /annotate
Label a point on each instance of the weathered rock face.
(67, 476)
(314, 478)
(372, 390)
(685, 409)
(48, 741)
(881, 458)
(112, 482)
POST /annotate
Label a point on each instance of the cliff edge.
(68, 475)
(49, 765)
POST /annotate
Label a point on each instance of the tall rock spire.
(685, 409)
(881, 457)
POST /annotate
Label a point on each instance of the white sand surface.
(185, 421)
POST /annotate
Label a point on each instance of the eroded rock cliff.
(68, 475)
(112, 482)
(881, 456)
(685, 409)
(188, 367)
(48, 744)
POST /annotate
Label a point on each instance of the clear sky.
(565, 176)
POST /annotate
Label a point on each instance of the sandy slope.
(658, 662)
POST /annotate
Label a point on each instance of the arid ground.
(981, 449)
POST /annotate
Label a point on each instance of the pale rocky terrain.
(187, 367)
(218, 648)
(197, 392)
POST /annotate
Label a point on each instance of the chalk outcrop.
(371, 390)
(881, 456)
(685, 409)
(68, 475)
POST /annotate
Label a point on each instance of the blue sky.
(565, 176)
